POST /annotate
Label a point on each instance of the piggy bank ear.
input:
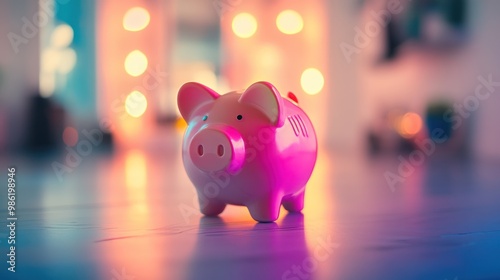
(266, 98)
(191, 96)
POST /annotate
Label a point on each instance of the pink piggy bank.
(255, 149)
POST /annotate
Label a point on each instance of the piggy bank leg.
(266, 209)
(210, 207)
(294, 203)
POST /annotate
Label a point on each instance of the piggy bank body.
(255, 149)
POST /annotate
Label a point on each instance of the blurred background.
(404, 96)
(373, 75)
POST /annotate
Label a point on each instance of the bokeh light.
(269, 56)
(136, 19)
(289, 22)
(206, 77)
(70, 136)
(47, 84)
(312, 81)
(409, 125)
(55, 58)
(136, 63)
(136, 104)
(62, 36)
(180, 124)
(135, 170)
(244, 25)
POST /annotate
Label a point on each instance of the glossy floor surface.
(133, 214)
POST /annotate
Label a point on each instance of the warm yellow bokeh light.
(206, 77)
(136, 63)
(244, 25)
(289, 22)
(70, 136)
(50, 60)
(136, 19)
(312, 81)
(47, 84)
(135, 170)
(136, 104)
(409, 125)
(62, 36)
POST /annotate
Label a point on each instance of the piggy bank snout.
(216, 148)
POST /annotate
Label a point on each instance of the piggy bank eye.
(239, 117)
(205, 117)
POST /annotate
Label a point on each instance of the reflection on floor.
(134, 215)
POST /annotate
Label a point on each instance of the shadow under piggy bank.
(248, 251)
